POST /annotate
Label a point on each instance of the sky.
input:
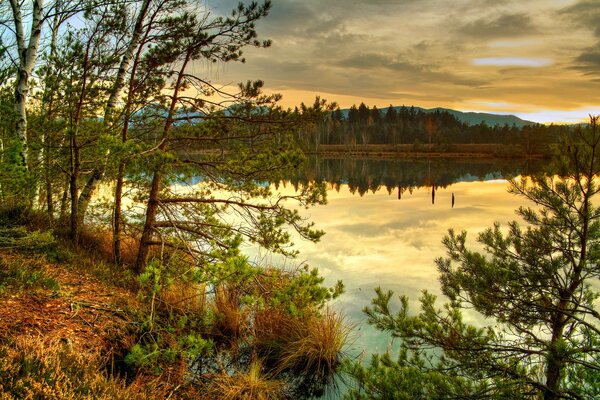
(537, 59)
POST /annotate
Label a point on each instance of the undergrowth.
(31, 369)
(227, 330)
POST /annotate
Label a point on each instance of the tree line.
(407, 125)
(402, 176)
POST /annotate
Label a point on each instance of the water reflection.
(405, 175)
(372, 239)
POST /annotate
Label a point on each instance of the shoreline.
(403, 151)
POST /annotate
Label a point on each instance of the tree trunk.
(27, 56)
(555, 363)
(90, 187)
(151, 212)
(76, 221)
(48, 100)
(117, 214)
(65, 198)
(74, 175)
(154, 200)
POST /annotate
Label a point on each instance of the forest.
(403, 125)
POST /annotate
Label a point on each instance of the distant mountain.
(471, 118)
(475, 118)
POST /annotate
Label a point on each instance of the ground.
(81, 312)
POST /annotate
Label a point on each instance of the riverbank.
(75, 325)
(393, 151)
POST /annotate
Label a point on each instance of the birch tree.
(111, 103)
(27, 45)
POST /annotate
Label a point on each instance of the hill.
(470, 118)
(475, 118)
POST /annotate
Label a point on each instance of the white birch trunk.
(27, 55)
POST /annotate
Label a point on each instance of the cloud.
(508, 25)
(512, 62)
(378, 63)
(375, 61)
(588, 62)
(584, 14)
(427, 52)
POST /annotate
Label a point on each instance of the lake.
(385, 220)
(384, 223)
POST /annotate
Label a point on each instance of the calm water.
(384, 223)
(382, 228)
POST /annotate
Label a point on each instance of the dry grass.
(231, 320)
(311, 345)
(271, 332)
(99, 242)
(30, 369)
(316, 345)
(250, 385)
(184, 297)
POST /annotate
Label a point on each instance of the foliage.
(20, 239)
(26, 276)
(533, 282)
(15, 181)
(166, 336)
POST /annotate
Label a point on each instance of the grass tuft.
(250, 385)
(315, 346)
(231, 319)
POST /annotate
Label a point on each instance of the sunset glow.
(540, 56)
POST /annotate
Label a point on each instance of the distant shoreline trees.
(408, 125)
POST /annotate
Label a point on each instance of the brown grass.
(31, 369)
(316, 345)
(184, 297)
(311, 345)
(99, 242)
(250, 385)
(231, 320)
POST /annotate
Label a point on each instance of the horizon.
(538, 60)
